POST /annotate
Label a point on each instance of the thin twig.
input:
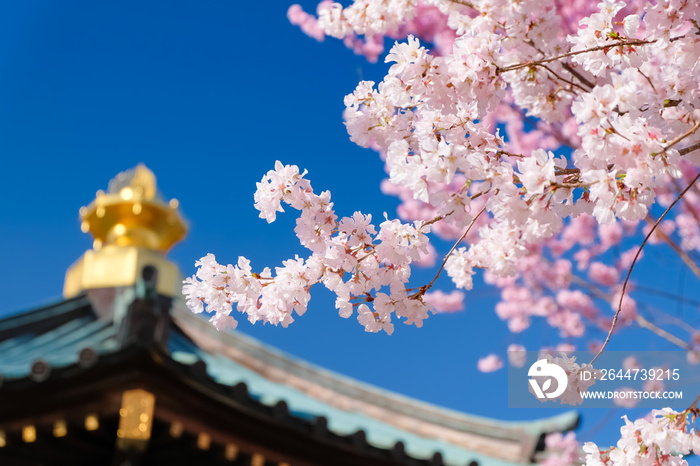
(571, 54)
(677, 249)
(629, 273)
(580, 77)
(509, 154)
(662, 333)
(566, 171)
(667, 295)
(464, 3)
(572, 185)
(648, 80)
(454, 246)
(606, 297)
(689, 149)
(590, 287)
(571, 83)
(688, 205)
(573, 171)
(682, 136)
(694, 405)
(435, 219)
(664, 318)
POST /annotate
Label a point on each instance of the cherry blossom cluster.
(563, 449)
(619, 89)
(366, 268)
(538, 136)
(599, 103)
(363, 25)
(429, 117)
(657, 440)
(616, 84)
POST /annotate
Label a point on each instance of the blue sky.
(208, 95)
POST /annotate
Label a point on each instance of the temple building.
(119, 372)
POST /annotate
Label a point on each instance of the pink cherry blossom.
(489, 363)
(445, 302)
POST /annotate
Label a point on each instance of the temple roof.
(63, 340)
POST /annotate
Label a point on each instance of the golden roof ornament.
(132, 213)
(132, 227)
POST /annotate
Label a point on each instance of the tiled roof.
(58, 346)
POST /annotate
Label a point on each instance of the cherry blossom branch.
(573, 185)
(689, 149)
(571, 54)
(678, 139)
(647, 79)
(425, 288)
(509, 154)
(566, 171)
(472, 197)
(569, 82)
(464, 3)
(689, 205)
(636, 257)
(578, 75)
(567, 67)
(574, 171)
(600, 54)
(435, 219)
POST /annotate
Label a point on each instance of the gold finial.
(132, 213)
(132, 226)
(139, 180)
